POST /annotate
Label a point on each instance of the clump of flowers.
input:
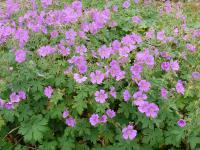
(71, 122)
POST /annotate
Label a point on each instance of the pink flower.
(22, 95)
(79, 78)
(144, 85)
(101, 96)
(129, 133)
(97, 77)
(81, 49)
(9, 105)
(65, 114)
(54, 34)
(152, 110)
(12, 6)
(14, 98)
(165, 66)
(191, 47)
(136, 69)
(22, 35)
(2, 103)
(110, 113)
(46, 3)
(150, 34)
(179, 87)
(48, 91)
(103, 119)
(139, 97)
(70, 122)
(46, 50)
(181, 123)
(113, 92)
(104, 52)
(126, 95)
(94, 119)
(174, 65)
(195, 75)
(163, 92)
(161, 36)
(126, 4)
(20, 56)
(136, 19)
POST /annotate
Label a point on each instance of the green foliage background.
(37, 122)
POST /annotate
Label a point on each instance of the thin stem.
(10, 132)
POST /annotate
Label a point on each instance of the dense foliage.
(99, 75)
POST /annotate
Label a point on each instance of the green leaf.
(194, 141)
(34, 129)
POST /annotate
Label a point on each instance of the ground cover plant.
(96, 74)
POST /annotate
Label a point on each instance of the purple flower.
(191, 47)
(144, 85)
(14, 98)
(129, 133)
(136, 69)
(54, 34)
(70, 122)
(161, 36)
(101, 96)
(12, 6)
(150, 34)
(115, 46)
(97, 77)
(22, 95)
(46, 3)
(126, 4)
(82, 68)
(136, 19)
(65, 114)
(152, 110)
(181, 123)
(149, 60)
(139, 97)
(22, 35)
(103, 119)
(79, 78)
(196, 75)
(2, 103)
(20, 56)
(165, 54)
(9, 105)
(110, 113)
(82, 35)
(94, 119)
(64, 51)
(179, 87)
(81, 49)
(70, 36)
(168, 7)
(145, 57)
(163, 92)
(143, 106)
(126, 95)
(48, 91)
(174, 65)
(113, 92)
(104, 52)
(165, 66)
(46, 50)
